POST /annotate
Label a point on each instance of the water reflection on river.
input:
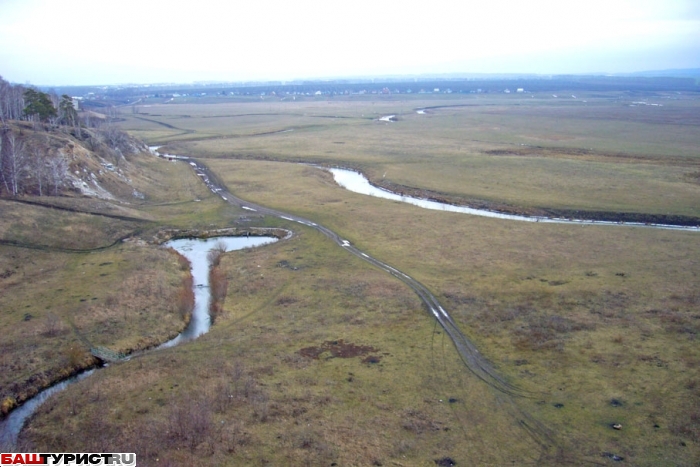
(357, 183)
(195, 250)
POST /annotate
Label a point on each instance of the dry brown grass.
(529, 153)
(249, 387)
(64, 286)
(123, 299)
(596, 324)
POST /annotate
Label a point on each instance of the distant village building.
(520, 90)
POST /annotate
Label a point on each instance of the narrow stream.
(357, 183)
(195, 250)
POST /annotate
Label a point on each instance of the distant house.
(520, 90)
(507, 91)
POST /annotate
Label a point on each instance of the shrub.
(218, 286)
(185, 298)
(190, 423)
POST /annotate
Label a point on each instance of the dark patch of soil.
(337, 349)
(288, 265)
(616, 403)
(612, 456)
(445, 462)
(286, 300)
(6, 274)
(372, 359)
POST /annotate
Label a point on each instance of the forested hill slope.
(52, 160)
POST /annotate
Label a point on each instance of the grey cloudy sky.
(58, 42)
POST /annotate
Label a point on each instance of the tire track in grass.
(475, 362)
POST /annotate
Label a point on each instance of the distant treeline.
(598, 84)
(559, 83)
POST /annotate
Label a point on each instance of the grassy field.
(578, 315)
(68, 279)
(318, 358)
(603, 154)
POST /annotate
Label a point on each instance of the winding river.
(195, 250)
(358, 183)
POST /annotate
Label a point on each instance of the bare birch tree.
(11, 101)
(57, 172)
(39, 167)
(4, 96)
(14, 165)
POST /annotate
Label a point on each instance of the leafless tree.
(57, 167)
(11, 101)
(56, 101)
(39, 167)
(14, 163)
(214, 255)
(87, 119)
(4, 92)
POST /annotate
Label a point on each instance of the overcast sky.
(61, 42)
